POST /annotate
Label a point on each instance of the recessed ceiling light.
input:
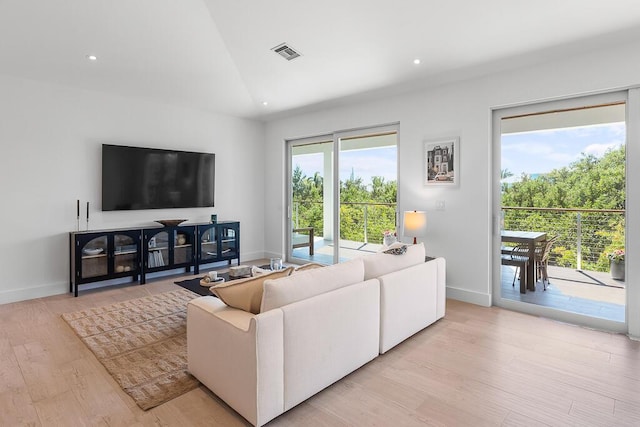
(265, 103)
(92, 57)
(416, 61)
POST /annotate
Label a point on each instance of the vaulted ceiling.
(217, 55)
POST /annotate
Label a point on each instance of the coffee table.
(194, 284)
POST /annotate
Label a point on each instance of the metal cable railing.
(585, 236)
(359, 221)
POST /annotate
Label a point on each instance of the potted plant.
(616, 259)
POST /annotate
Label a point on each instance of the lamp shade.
(415, 224)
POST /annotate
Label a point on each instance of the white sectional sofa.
(314, 327)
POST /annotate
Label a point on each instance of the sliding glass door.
(561, 209)
(311, 204)
(342, 194)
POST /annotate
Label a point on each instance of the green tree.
(384, 192)
(504, 174)
(307, 200)
(358, 201)
(588, 183)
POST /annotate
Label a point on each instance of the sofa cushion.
(309, 283)
(380, 264)
(246, 294)
(409, 300)
(327, 337)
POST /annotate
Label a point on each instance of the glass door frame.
(326, 138)
(498, 114)
(335, 138)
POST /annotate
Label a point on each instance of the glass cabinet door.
(94, 261)
(208, 243)
(104, 255)
(169, 247)
(182, 246)
(125, 254)
(229, 241)
(157, 249)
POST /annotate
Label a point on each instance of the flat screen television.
(149, 178)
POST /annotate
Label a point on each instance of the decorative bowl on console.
(89, 251)
(170, 222)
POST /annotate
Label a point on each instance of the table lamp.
(415, 224)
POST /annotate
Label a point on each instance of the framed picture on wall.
(441, 162)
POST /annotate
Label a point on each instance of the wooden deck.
(584, 292)
(324, 251)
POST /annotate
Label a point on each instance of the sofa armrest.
(239, 356)
(410, 300)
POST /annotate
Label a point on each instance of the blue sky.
(365, 163)
(535, 152)
(542, 151)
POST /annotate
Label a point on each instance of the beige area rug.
(142, 343)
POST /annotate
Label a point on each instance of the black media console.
(99, 255)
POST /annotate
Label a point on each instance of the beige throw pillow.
(246, 294)
(308, 266)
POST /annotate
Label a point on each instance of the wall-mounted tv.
(150, 178)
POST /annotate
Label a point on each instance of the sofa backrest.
(309, 283)
(380, 264)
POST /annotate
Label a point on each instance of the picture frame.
(441, 162)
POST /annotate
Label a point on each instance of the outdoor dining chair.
(542, 260)
(519, 257)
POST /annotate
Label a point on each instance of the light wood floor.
(477, 366)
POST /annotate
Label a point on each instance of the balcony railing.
(360, 222)
(585, 235)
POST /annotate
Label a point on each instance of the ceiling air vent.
(286, 51)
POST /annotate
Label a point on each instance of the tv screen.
(150, 178)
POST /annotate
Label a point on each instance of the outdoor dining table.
(529, 238)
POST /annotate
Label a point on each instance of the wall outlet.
(440, 205)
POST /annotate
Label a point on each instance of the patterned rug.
(142, 343)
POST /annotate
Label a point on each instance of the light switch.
(440, 205)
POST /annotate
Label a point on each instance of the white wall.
(51, 140)
(462, 233)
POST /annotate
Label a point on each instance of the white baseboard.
(23, 294)
(471, 297)
(256, 255)
(50, 289)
